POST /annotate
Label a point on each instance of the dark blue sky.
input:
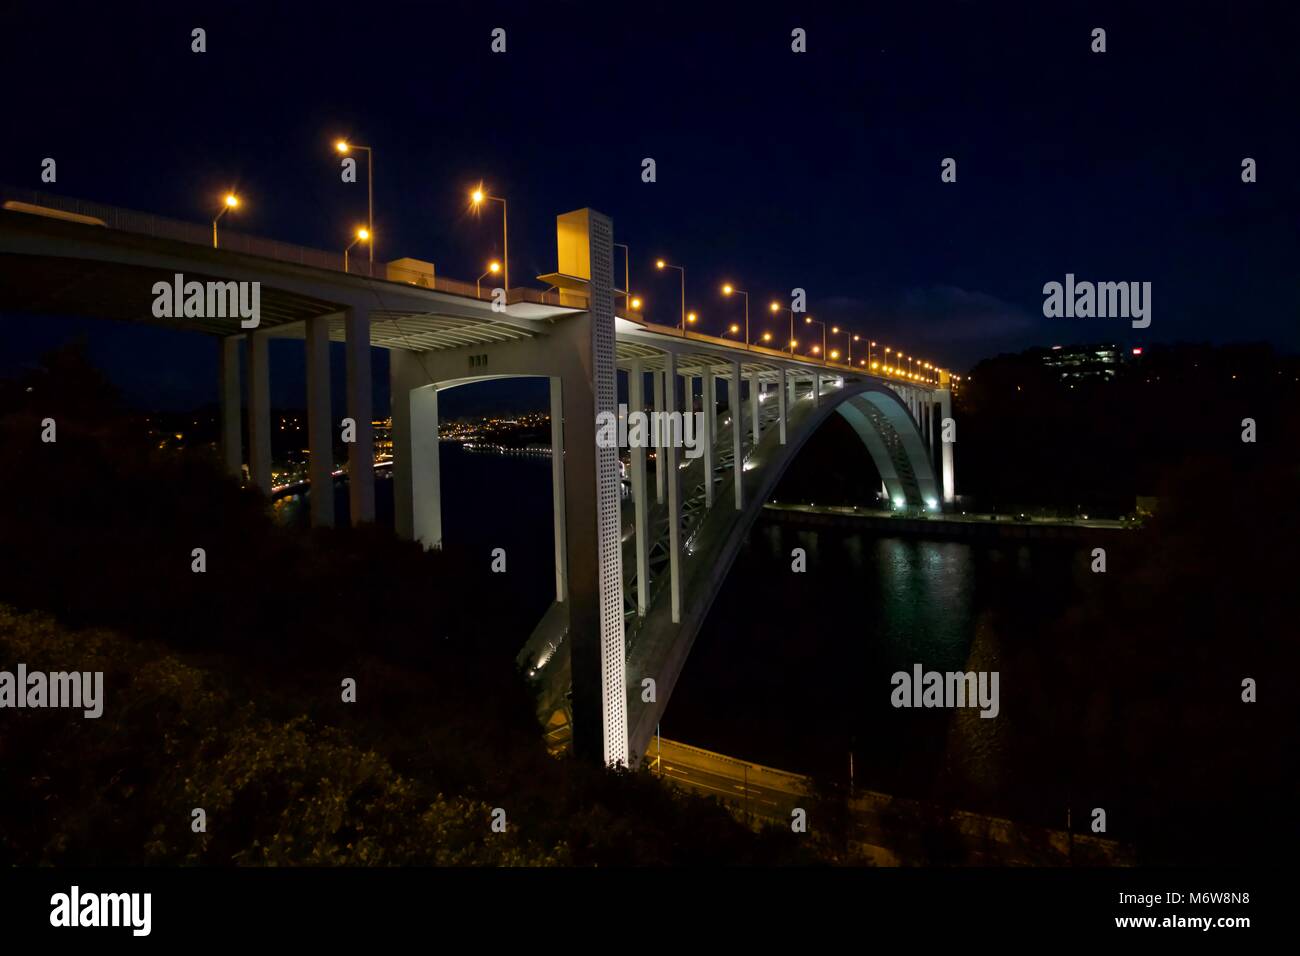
(775, 169)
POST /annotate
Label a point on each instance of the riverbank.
(962, 526)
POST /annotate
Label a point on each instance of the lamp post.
(344, 147)
(493, 268)
(363, 235)
(848, 338)
(661, 265)
(809, 320)
(627, 273)
(776, 307)
(231, 202)
(478, 197)
(728, 289)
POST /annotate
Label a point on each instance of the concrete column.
(232, 436)
(710, 409)
(817, 388)
(949, 471)
(783, 407)
(673, 477)
(259, 412)
(658, 378)
(636, 401)
(320, 435)
(361, 453)
(417, 473)
(557, 487)
(753, 407)
(737, 426)
(793, 382)
(584, 346)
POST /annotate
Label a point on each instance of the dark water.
(793, 670)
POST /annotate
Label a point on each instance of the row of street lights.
(915, 370)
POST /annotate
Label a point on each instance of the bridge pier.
(320, 441)
(673, 476)
(557, 487)
(232, 434)
(636, 399)
(737, 423)
(753, 407)
(658, 378)
(361, 452)
(417, 473)
(949, 471)
(259, 412)
(781, 404)
(710, 410)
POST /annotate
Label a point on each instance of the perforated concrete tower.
(586, 258)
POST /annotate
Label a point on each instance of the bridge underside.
(638, 600)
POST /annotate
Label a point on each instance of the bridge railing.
(161, 227)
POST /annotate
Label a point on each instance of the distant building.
(1085, 362)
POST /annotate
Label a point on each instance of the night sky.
(775, 170)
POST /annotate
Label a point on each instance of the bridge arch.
(881, 419)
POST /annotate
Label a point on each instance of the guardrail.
(161, 227)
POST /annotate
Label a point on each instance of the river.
(793, 670)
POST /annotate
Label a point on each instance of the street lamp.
(635, 304)
(728, 289)
(231, 202)
(661, 265)
(835, 330)
(776, 307)
(344, 147)
(478, 197)
(363, 235)
(627, 272)
(493, 268)
(809, 320)
(691, 318)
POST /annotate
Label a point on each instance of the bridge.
(634, 578)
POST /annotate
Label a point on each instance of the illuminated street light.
(363, 235)
(776, 307)
(344, 147)
(230, 202)
(493, 268)
(636, 303)
(478, 197)
(809, 320)
(691, 317)
(836, 330)
(661, 265)
(729, 289)
(627, 272)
